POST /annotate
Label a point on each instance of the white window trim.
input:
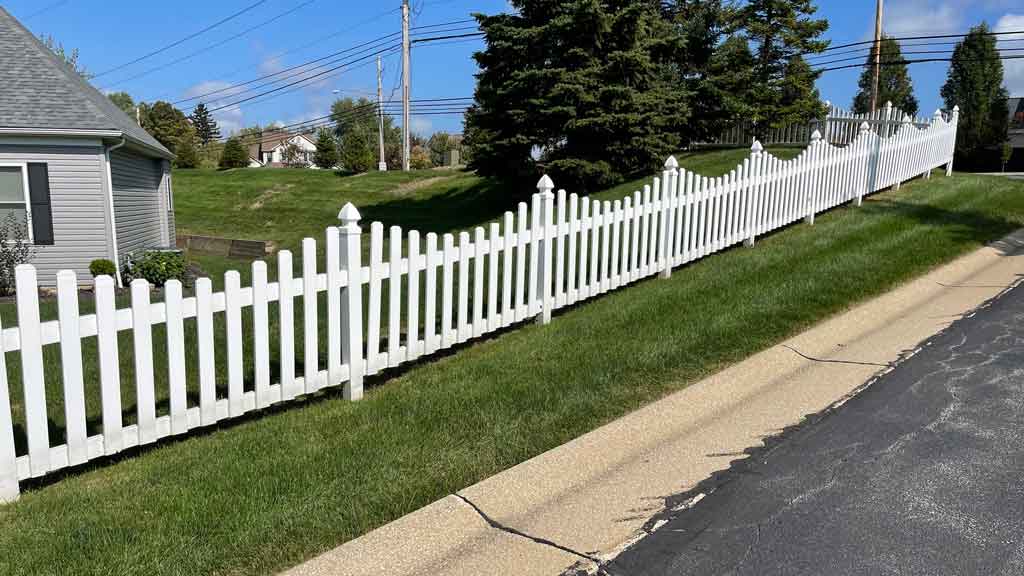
(26, 193)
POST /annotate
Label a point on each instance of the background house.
(92, 182)
(269, 150)
(1016, 135)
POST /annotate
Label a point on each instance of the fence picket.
(413, 347)
(508, 231)
(431, 342)
(478, 328)
(333, 264)
(494, 243)
(205, 349)
(233, 327)
(286, 325)
(447, 273)
(394, 296)
(34, 393)
(8, 457)
(373, 318)
(71, 367)
(465, 251)
(311, 351)
(142, 340)
(572, 231)
(176, 379)
(261, 327)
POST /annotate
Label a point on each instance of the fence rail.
(559, 250)
(838, 127)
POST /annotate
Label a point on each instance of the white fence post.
(870, 155)
(547, 198)
(8, 458)
(753, 190)
(810, 178)
(352, 301)
(954, 121)
(667, 199)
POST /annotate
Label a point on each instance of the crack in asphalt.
(536, 539)
(830, 361)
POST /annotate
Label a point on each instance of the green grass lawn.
(269, 492)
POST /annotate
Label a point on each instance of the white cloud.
(1013, 70)
(422, 126)
(920, 17)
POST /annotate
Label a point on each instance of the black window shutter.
(39, 198)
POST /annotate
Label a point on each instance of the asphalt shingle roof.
(40, 91)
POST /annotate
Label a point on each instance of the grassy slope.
(269, 492)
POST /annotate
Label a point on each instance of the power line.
(289, 69)
(433, 38)
(214, 45)
(947, 52)
(303, 65)
(45, 9)
(918, 61)
(902, 45)
(925, 37)
(183, 40)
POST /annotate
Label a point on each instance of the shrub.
(15, 249)
(101, 267)
(157, 267)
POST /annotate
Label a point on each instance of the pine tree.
(357, 155)
(326, 155)
(234, 155)
(591, 85)
(975, 83)
(731, 74)
(894, 83)
(206, 126)
(781, 30)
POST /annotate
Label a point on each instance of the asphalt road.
(920, 473)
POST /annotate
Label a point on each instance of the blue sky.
(113, 32)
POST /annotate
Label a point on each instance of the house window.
(14, 193)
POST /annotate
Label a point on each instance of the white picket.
(311, 351)
(233, 328)
(521, 306)
(447, 270)
(572, 231)
(333, 264)
(71, 367)
(465, 252)
(373, 318)
(34, 386)
(8, 456)
(615, 225)
(394, 296)
(583, 289)
(606, 227)
(286, 326)
(494, 243)
(261, 324)
(533, 278)
(479, 253)
(176, 379)
(205, 348)
(560, 232)
(413, 346)
(142, 340)
(431, 342)
(509, 236)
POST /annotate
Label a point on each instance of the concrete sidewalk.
(582, 503)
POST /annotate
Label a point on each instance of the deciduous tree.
(164, 122)
(124, 101)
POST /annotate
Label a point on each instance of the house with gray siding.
(90, 181)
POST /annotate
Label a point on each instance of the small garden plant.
(15, 249)
(157, 267)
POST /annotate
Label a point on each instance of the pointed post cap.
(938, 114)
(956, 109)
(888, 103)
(545, 185)
(864, 127)
(348, 214)
(671, 163)
(756, 148)
(907, 119)
(815, 136)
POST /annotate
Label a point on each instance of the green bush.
(102, 266)
(157, 267)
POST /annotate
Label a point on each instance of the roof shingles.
(40, 91)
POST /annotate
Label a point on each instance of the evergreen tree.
(781, 30)
(206, 126)
(590, 86)
(439, 144)
(975, 83)
(358, 118)
(357, 155)
(185, 154)
(708, 67)
(893, 80)
(234, 155)
(326, 155)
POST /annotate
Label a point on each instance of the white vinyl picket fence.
(839, 127)
(558, 250)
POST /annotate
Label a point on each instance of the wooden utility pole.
(382, 165)
(878, 53)
(405, 85)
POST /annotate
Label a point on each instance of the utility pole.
(405, 85)
(382, 165)
(878, 53)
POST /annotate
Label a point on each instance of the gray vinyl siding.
(139, 202)
(78, 205)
